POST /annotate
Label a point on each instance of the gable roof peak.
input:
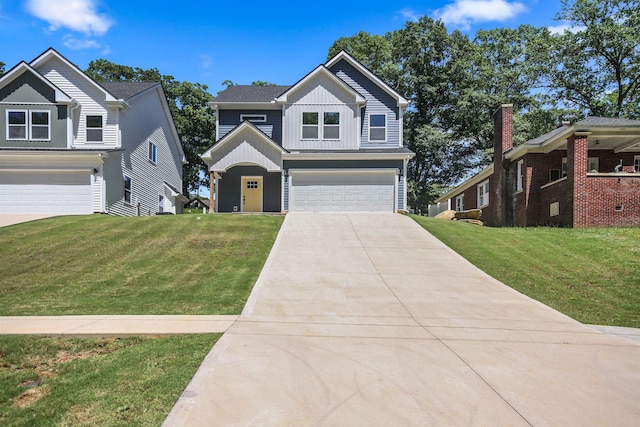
(321, 69)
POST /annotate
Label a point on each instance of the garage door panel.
(342, 192)
(56, 193)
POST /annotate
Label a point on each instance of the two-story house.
(584, 174)
(71, 145)
(331, 142)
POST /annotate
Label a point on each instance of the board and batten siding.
(272, 127)
(145, 121)
(378, 102)
(321, 94)
(92, 103)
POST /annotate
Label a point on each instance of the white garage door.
(55, 193)
(344, 191)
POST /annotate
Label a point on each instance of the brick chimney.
(503, 141)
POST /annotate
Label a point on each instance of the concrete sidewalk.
(123, 325)
(369, 320)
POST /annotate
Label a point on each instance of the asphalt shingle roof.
(547, 136)
(125, 90)
(607, 121)
(250, 93)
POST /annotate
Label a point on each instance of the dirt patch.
(30, 396)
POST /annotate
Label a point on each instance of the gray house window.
(153, 152)
(127, 189)
(377, 127)
(28, 125)
(94, 128)
(310, 126)
(331, 128)
(255, 118)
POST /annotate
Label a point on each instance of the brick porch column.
(577, 158)
(503, 141)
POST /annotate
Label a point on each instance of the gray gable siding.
(229, 119)
(27, 92)
(378, 102)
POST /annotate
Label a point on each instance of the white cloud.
(563, 28)
(409, 14)
(76, 15)
(78, 44)
(462, 13)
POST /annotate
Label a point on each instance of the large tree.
(194, 119)
(2, 64)
(595, 65)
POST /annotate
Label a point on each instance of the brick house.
(585, 174)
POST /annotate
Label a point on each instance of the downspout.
(75, 106)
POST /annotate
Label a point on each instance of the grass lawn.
(98, 264)
(592, 275)
(91, 382)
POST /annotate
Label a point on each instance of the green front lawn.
(95, 382)
(592, 275)
(183, 264)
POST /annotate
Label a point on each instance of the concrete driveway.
(11, 219)
(369, 320)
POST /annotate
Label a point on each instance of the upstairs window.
(483, 194)
(17, 125)
(33, 125)
(39, 129)
(94, 128)
(127, 189)
(254, 118)
(636, 163)
(331, 128)
(153, 153)
(377, 127)
(310, 126)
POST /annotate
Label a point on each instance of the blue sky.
(243, 41)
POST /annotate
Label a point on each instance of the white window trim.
(254, 118)
(331, 125)
(28, 125)
(153, 153)
(636, 164)
(460, 203)
(378, 127)
(597, 163)
(520, 176)
(124, 198)
(31, 125)
(309, 125)
(485, 194)
(161, 199)
(86, 127)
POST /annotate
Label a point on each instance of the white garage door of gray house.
(45, 192)
(342, 191)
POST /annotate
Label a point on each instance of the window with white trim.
(31, 125)
(255, 118)
(153, 152)
(520, 176)
(94, 128)
(593, 164)
(310, 126)
(483, 194)
(377, 127)
(331, 126)
(636, 163)
(127, 189)
(460, 203)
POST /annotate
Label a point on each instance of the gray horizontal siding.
(378, 102)
(229, 119)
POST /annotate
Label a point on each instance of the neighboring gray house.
(331, 142)
(71, 145)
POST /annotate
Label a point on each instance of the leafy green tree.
(261, 83)
(596, 66)
(2, 64)
(194, 119)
